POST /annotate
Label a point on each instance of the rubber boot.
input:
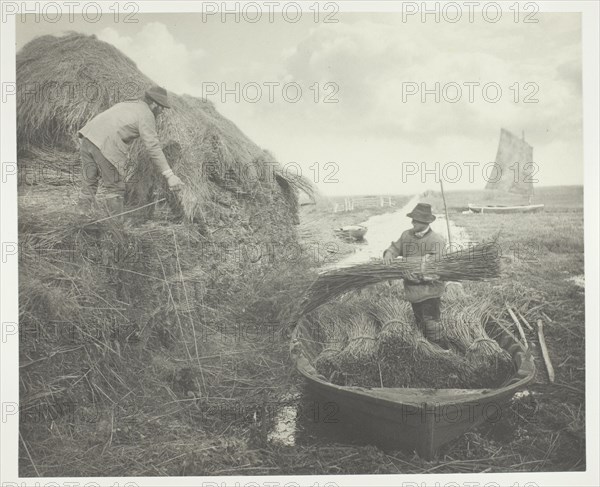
(432, 329)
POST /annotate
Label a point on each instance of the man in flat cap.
(105, 143)
(424, 294)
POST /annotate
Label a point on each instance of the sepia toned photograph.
(253, 240)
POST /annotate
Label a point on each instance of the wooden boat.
(353, 231)
(418, 420)
(514, 173)
(506, 209)
(513, 168)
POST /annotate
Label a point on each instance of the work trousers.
(95, 166)
(427, 313)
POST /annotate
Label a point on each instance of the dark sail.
(514, 165)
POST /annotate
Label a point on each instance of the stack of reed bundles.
(384, 347)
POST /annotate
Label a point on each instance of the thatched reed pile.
(65, 81)
(246, 204)
(149, 314)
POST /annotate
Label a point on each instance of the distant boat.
(514, 169)
(505, 209)
(514, 172)
(353, 231)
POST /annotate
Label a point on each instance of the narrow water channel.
(385, 228)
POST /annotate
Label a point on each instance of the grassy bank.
(544, 428)
(558, 199)
(144, 407)
(136, 339)
(154, 349)
(543, 253)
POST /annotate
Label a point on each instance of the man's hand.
(427, 277)
(388, 258)
(175, 184)
(413, 276)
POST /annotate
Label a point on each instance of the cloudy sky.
(366, 66)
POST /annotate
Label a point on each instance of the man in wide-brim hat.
(105, 143)
(424, 293)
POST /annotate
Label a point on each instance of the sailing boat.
(513, 174)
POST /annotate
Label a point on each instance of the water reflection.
(385, 228)
(307, 419)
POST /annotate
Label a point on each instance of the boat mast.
(446, 212)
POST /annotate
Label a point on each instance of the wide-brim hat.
(422, 213)
(159, 95)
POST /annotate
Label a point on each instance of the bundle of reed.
(484, 351)
(477, 263)
(362, 334)
(332, 332)
(398, 330)
(464, 321)
(437, 368)
(409, 360)
(494, 364)
(358, 360)
(396, 342)
(329, 326)
(400, 356)
(454, 291)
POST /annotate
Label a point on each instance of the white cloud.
(372, 62)
(371, 130)
(159, 55)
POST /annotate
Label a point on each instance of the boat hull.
(506, 209)
(353, 231)
(418, 420)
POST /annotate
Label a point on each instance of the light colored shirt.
(113, 130)
(421, 234)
